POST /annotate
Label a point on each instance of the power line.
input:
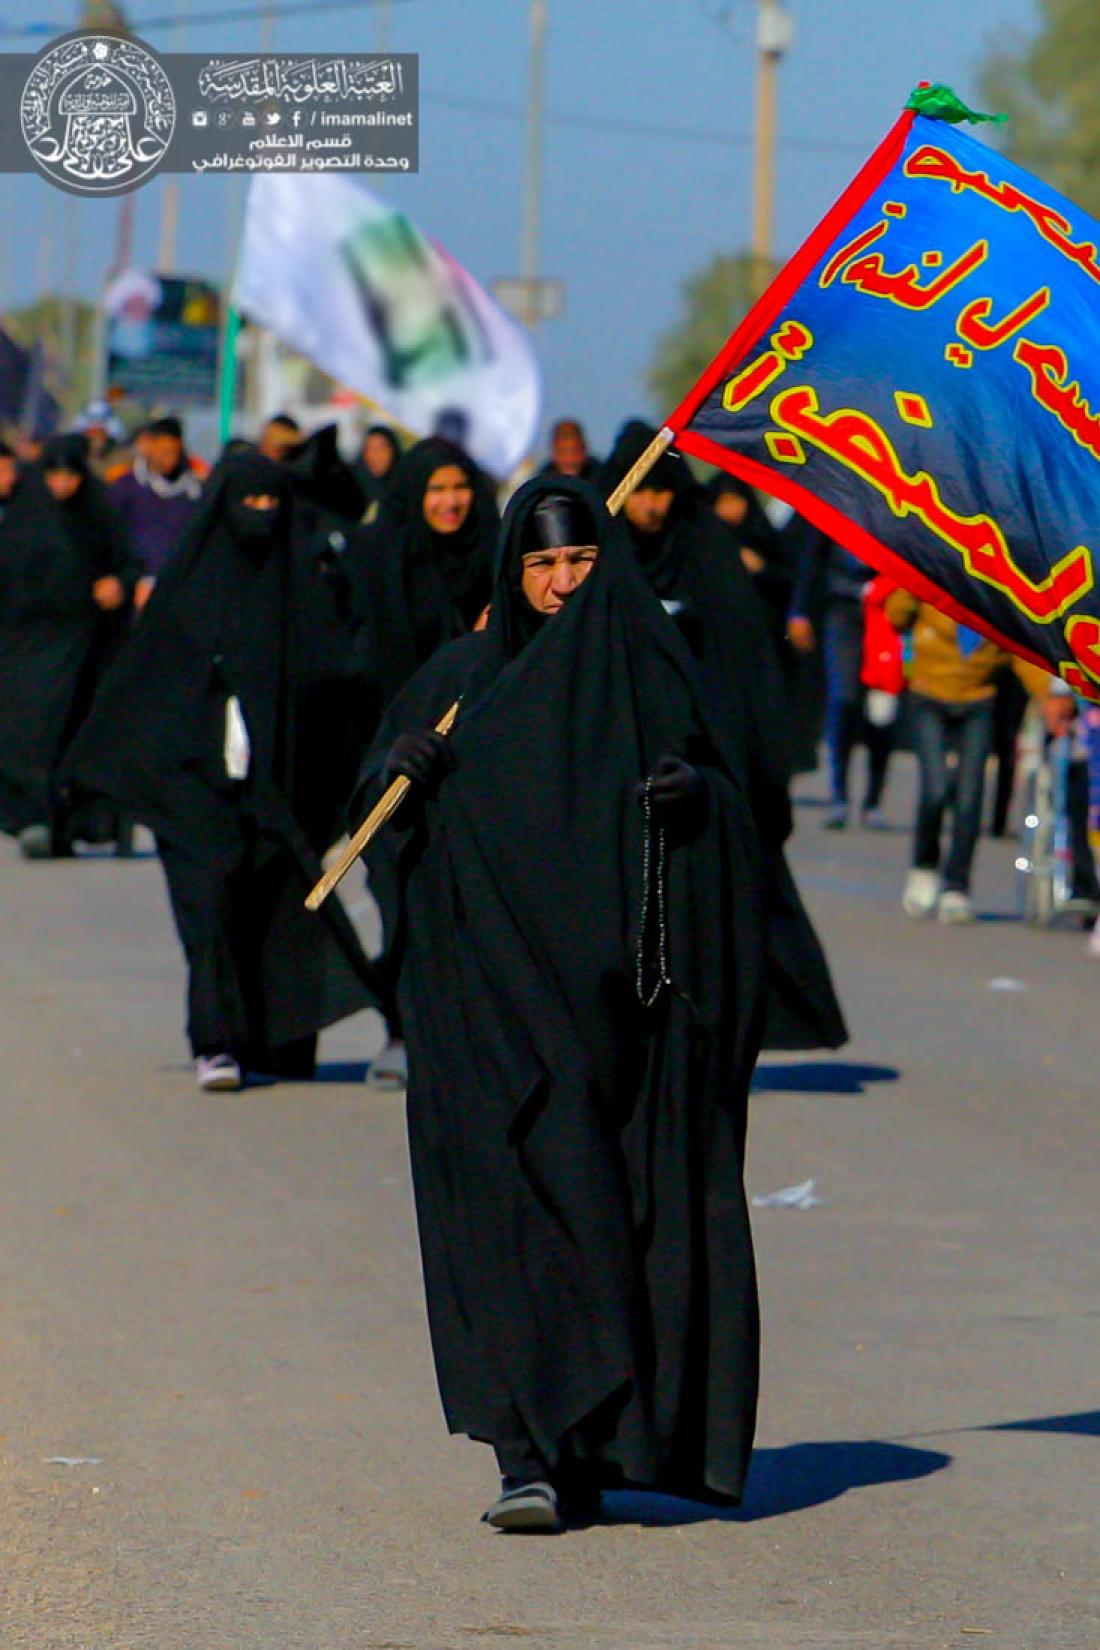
(718, 10)
(236, 14)
(631, 128)
(726, 15)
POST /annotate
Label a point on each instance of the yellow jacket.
(940, 670)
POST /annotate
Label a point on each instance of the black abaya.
(577, 1156)
(694, 566)
(221, 624)
(51, 637)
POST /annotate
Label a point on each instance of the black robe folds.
(335, 711)
(695, 568)
(53, 638)
(577, 1155)
(223, 623)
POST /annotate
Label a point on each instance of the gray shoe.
(525, 1509)
(36, 842)
(954, 907)
(217, 1073)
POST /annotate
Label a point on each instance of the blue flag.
(922, 381)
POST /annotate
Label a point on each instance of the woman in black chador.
(579, 957)
(195, 731)
(423, 573)
(426, 561)
(65, 582)
(691, 562)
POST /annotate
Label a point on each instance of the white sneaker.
(217, 1073)
(955, 907)
(390, 1069)
(922, 890)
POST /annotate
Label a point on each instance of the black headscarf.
(755, 531)
(98, 528)
(661, 554)
(423, 588)
(320, 476)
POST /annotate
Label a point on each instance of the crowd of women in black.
(589, 925)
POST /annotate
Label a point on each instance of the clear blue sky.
(626, 217)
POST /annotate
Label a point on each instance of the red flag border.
(792, 275)
(844, 531)
(764, 312)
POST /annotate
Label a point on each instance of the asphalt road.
(214, 1303)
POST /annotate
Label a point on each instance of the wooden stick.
(384, 809)
(637, 473)
(395, 795)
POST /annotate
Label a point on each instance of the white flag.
(351, 284)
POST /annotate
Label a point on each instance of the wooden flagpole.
(393, 797)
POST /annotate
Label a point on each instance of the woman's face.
(448, 499)
(647, 508)
(550, 577)
(731, 508)
(378, 455)
(63, 484)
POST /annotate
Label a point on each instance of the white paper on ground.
(802, 1196)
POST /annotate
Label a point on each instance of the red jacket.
(882, 645)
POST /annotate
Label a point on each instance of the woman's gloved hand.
(423, 756)
(676, 790)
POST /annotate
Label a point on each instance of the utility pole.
(774, 35)
(384, 19)
(170, 199)
(529, 250)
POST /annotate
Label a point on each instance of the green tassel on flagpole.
(941, 103)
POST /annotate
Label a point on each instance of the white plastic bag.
(238, 749)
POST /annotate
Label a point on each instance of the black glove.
(676, 790)
(424, 757)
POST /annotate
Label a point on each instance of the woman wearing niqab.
(578, 951)
(195, 731)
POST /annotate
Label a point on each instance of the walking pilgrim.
(66, 577)
(689, 560)
(424, 576)
(196, 732)
(578, 939)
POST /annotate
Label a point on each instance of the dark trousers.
(842, 645)
(205, 904)
(939, 729)
(219, 917)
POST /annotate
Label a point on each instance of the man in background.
(569, 455)
(156, 499)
